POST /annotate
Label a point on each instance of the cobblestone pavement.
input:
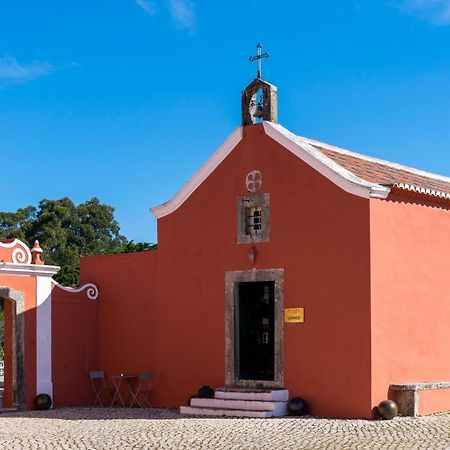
(113, 428)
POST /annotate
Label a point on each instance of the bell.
(259, 112)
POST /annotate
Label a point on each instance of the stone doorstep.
(189, 410)
(7, 410)
(265, 395)
(238, 402)
(280, 408)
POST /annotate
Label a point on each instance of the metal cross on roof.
(258, 58)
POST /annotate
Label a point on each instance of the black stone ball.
(387, 409)
(42, 402)
(297, 407)
(206, 392)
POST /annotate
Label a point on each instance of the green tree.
(15, 224)
(66, 232)
(132, 246)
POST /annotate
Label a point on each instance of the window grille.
(254, 220)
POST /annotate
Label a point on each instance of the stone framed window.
(253, 218)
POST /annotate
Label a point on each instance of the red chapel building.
(285, 267)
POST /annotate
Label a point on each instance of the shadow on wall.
(75, 349)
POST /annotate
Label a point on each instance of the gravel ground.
(115, 428)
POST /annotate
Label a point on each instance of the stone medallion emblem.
(253, 181)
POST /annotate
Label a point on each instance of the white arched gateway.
(30, 298)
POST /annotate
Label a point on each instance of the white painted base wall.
(44, 336)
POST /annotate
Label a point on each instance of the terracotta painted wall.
(434, 401)
(128, 312)
(164, 310)
(74, 347)
(410, 267)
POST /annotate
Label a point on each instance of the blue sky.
(124, 100)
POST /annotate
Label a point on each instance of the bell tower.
(259, 98)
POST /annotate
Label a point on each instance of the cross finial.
(258, 58)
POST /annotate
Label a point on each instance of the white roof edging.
(384, 162)
(422, 190)
(197, 179)
(340, 176)
(337, 174)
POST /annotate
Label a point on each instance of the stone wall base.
(420, 399)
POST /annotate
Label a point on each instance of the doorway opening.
(13, 308)
(254, 329)
(255, 314)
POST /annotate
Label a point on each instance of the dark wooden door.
(255, 330)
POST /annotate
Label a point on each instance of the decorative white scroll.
(253, 181)
(91, 289)
(21, 254)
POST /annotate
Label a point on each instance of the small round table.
(122, 380)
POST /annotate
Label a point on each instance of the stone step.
(191, 410)
(265, 395)
(8, 410)
(240, 402)
(279, 408)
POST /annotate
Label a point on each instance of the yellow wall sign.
(294, 315)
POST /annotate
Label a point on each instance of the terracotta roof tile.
(384, 172)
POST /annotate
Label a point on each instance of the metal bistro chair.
(98, 383)
(142, 392)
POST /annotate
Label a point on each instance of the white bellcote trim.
(197, 179)
(337, 174)
(300, 147)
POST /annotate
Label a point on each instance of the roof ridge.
(335, 172)
(391, 164)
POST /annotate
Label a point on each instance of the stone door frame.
(231, 281)
(17, 299)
